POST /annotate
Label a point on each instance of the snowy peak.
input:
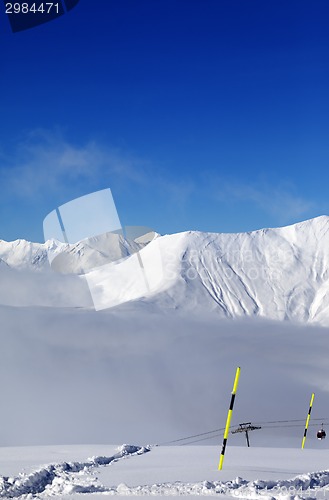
(22, 254)
(275, 273)
(93, 252)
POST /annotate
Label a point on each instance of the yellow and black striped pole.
(307, 420)
(229, 417)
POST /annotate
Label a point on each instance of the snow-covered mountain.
(278, 273)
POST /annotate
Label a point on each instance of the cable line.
(191, 437)
(202, 439)
(290, 423)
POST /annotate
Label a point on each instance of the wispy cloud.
(280, 200)
(45, 169)
(45, 162)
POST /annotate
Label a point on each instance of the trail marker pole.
(307, 420)
(229, 417)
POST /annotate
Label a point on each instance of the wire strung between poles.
(289, 421)
(293, 423)
(191, 437)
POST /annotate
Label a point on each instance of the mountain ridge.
(276, 273)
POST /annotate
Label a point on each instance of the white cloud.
(280, 200)
(46, 162)
(45, 165)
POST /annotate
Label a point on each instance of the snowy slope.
(21, 254)
(175, 472)
(273, 273)
(24, 255)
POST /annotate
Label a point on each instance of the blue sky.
(198, 114)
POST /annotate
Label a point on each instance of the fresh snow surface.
(278, 273)
(163, 471)
(59, 478)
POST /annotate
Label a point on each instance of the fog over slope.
(76, 376)
(162, 367)
(272, 273)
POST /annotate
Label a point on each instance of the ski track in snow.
(68, 478)
(63, 478)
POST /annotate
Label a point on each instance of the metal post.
(247, 439)
(307, 420)
(246, 427)
(229, 417)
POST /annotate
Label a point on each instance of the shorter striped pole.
(307, 420)
(229, 417)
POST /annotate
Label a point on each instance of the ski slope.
(162, 471)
